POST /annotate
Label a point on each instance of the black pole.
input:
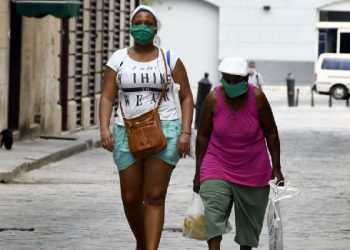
(330, 101)
(204, 86)
(297, 98)
(290, 89)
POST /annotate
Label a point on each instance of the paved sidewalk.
(27, 155)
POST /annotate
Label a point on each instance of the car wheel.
(339, 92)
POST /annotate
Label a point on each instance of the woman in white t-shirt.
(137, 74)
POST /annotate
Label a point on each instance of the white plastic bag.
(194, 222)
(274, 220)
(274, 225)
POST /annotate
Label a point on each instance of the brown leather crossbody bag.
(145, 134)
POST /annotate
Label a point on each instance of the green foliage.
(150, 2)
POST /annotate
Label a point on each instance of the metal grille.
(105, 31)
(127, 23)
(92, 58)
(116, 24)
(116, 39)
(94, 35)
(78, 77)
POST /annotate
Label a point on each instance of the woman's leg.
(245, 248)
(249, 206)
(156, 180)
(214, 243)
(131, 183)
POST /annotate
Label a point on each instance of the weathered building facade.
(52, 68)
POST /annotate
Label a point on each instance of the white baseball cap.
(234, 66)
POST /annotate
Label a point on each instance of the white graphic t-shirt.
(140, 84)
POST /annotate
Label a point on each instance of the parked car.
(332, 75)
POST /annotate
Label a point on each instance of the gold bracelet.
(186, 132)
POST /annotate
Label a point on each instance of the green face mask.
(234, 90)
(143, 34)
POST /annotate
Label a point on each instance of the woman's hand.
(277, 173)
(107, 140)
(269, 127)
(183, 145)
(108, 96)
(196, 184)
(186, 101)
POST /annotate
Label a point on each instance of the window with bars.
(105, 31)
(121, 28)
(78, 74)
(92, 58)
(127, 23)
(116, 38)
(116, 25)
(94, 35)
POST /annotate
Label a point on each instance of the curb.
(6, 177)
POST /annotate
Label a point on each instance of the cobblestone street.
(75, 203)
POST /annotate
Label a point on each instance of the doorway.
(15, 67)
(344, 41)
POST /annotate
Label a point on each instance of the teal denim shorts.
(122, 156)
(249, 204)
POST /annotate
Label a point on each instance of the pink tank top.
(237, 150)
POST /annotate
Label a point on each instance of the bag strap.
(168, 61)
(282, 192)
(165, 83)
(164, 86)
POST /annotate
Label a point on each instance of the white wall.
(190, 28)
(286, 32)
(281, 40)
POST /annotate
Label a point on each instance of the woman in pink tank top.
(236, 139)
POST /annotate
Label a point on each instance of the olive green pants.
(249, 204)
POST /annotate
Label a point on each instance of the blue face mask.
(234, 90)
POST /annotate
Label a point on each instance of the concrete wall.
(4, 59)
(275, 72)
(286, 32)
(39, 75)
